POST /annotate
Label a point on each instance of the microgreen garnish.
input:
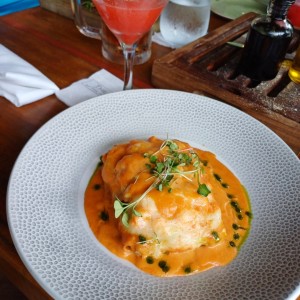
(203, 190)
(88, 4)
(165, 166)
(148, 166)
(153, 159)
(121, 208)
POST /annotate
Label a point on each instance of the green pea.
(149, 260)
(232, 244)
(97, 187)
(187, 270)
(104, 216)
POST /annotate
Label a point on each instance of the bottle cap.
(277, 9)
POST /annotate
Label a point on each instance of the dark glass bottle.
(267, 42)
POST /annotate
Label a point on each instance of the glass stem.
(129, 54)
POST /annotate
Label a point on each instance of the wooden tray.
(208, 66)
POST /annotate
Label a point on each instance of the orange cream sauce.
(123, 174)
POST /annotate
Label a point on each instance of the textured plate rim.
(77, 107)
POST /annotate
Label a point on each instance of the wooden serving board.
(208, 66)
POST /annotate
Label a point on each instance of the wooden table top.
(52, 44)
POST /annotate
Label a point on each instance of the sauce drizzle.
(191, 218)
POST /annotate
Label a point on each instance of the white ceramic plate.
(232, 9)
(45, 199)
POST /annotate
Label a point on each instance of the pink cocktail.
(129, 20)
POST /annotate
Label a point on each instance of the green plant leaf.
(136, 213)
(118, 208)
(153, 159)
(160, 167)
(203, 190)
(125, 219)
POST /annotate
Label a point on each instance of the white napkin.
(20, 82)
(100, 83)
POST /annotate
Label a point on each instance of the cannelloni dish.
(166, 207)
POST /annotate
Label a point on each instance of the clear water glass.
(184, 21)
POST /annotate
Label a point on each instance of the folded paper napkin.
(20, 82)
(100, 83)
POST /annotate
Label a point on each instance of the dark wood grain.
(217, 37)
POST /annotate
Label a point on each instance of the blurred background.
(9, 6)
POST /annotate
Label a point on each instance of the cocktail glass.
(129, 20)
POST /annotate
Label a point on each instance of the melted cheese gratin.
(166, 207)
